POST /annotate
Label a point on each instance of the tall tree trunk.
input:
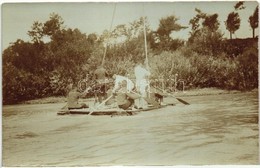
(230, 35)
(253, 33)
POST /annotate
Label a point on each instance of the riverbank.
(193, 92)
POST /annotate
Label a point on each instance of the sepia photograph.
(159, 83)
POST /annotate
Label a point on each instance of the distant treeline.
(39, 69)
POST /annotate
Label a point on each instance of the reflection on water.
(219, 129)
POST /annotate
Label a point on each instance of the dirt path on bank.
(214, 129)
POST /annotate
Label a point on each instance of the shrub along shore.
(33, 70)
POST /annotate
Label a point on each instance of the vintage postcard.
(136, 83)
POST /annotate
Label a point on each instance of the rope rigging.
(145, 40)
(111, 24)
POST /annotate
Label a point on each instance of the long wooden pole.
(171, 95)
(145, 42)
(145, 47)
(101, 104)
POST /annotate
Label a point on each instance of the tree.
(53, 25)
(163, 34)
(25, 56)
(126, 40)
(92, 38)
(36, 33)
(167, 25)
(71, 50)
(211, 21)
(253, 20)
(44, 69)
(232, 23)
(233, 20)
(205, 37)
(239, 5)
(24, 72)
(49, 28)
(128, 32)
(195, 21)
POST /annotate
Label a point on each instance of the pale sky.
(95, 17)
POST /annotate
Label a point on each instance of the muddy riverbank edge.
(193, 92)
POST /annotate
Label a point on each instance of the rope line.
(111, 24)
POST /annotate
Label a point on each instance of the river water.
(214, 129)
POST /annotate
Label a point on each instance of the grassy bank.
(193, 92)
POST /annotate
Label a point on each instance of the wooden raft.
(110, 111)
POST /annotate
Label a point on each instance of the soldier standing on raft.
(100, 75)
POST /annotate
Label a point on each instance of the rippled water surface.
(217, 129)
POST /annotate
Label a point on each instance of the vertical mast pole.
(145, 42)
(145, 47)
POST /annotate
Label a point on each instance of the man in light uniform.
(142, 84)
(119, 79)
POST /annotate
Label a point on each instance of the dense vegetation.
(38, 69)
